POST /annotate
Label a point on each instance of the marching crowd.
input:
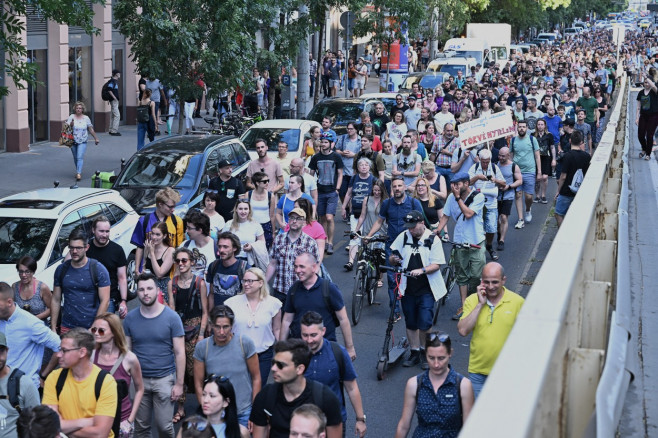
(236, 294)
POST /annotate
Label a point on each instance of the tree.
(16, 65)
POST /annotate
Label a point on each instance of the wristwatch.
(362, 419)
(424, 270)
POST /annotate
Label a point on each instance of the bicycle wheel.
(357, 295)
(371, 286)
(449, 279)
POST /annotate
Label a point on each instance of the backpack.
(195, 294)
(212, 269)
(532, 138)
(576, 181)
(14, 389)
(105, 92)
(93, 271)
(143, 113)
(270, 392)
(325, 296)
(122, 391)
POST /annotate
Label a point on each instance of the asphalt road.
(48, 162)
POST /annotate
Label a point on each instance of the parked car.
(426, 80)
(550, 38)
(572, 31)
(186, 163)
(38, 223)
(343, 110)
(292, 131)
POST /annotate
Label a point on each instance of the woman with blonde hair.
(112, 355)
(257, 316)
(158, 255)
(82, 127)
(431, 204)
(244, 226)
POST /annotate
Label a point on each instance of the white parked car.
(38, 223)
(292, 131)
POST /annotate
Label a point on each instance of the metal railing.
(544, 382)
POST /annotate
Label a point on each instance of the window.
(241, 155)
(114, 213)
(88, 216)
(70, 222)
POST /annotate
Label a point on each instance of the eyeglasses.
(280, 365)
(26, 272)
(76, 248)
(215, 378)
(192, 228)
(250, 280)
(94, 330)
(199, 426)
(183, 261)
(295, 218)
(169, 206)
(66, 350)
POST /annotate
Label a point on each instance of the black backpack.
(325, 296)
(14, 389)
(105, 92)
(271, 390)
(122, 391)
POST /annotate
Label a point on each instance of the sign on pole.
(486, 129)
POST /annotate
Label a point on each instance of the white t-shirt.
(247, 232)
(217, 223)
(204, 256)
(256, 325)
(441, 119)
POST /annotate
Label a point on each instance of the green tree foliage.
(71, 12)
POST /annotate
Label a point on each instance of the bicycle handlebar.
(369, 239)
(395, 269)
(461, 245)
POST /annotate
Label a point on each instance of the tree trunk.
(303, 86)
(319, 58)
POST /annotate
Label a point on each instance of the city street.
(521, 259)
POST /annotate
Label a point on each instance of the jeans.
(142, 127)
(114, 119)
(477, 380)
(446, 172)
(312, 85)
(157, 405)
(189, 115)
(392, 299)
(78, 151)
(265, 364)
(645, 130)
(112, 307)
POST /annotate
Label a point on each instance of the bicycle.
(367, 273)
(448, 273)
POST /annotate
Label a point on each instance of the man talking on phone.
(490, 315)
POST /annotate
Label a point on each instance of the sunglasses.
(280, 365)
(215, 378)
(183, 261)
(265, 181)
(100, 331)
(199, 426)
(442, 337)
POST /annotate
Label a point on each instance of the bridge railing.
(545, 380)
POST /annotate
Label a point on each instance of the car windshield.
(409, 82)
(340, 112)
(272, 136)
(155, 169)
(452, 69)
(23, 236)
(470, 54)
(431, 81)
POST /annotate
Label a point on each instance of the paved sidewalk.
(640, 414)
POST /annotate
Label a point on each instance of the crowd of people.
(236, 294)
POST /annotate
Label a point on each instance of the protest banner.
(485, 129)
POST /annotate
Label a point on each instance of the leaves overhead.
(16, 65)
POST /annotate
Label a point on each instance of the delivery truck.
(498, 37)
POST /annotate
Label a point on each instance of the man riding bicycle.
(465, 206)
(420, 253)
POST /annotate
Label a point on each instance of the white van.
(452, 65)
(550, 38)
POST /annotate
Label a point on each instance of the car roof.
(51, 201)
(284, 123)
(193, 143)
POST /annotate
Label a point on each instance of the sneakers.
(423, 360)
(501, 245)
(457, 316)
(647, 157)
(537, 199)
(642, 154)
(520, 224)
(397, 317)
(115, 133)
(330, 248)
(492, 253)
(413, 359)
(528, 216)
(544, 200)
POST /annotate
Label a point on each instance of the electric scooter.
(391, 354)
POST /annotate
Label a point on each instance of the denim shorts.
(327, 203)
(562, 204)
(491, 220)
(334, 83)
(528, 185)
(418, 311)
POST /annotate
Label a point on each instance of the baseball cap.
(411, 96)
(3, 340)
(326, 136)
(223, 163)
(298, 211)
(459, 177)
(412, 218)
(570, 122)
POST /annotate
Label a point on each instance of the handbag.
(66, 137)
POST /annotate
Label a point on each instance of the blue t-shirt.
(466, 230)
(361, 187)
(323, 368)
(286, 205)
(553, 124)
(394, 213)
(312, 299)
(80, 294)
(152, 340)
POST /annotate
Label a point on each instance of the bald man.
(310, 182)
(490, 315)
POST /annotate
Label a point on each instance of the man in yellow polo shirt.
(490, 315)
(74, 396)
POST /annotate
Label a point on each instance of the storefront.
(37, 93)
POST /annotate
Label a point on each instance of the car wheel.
(130, 274)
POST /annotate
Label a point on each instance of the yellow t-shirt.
(491, 330)
(78, 399)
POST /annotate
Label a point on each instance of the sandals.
(178, 416)
(348, 266)
(78, 177)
